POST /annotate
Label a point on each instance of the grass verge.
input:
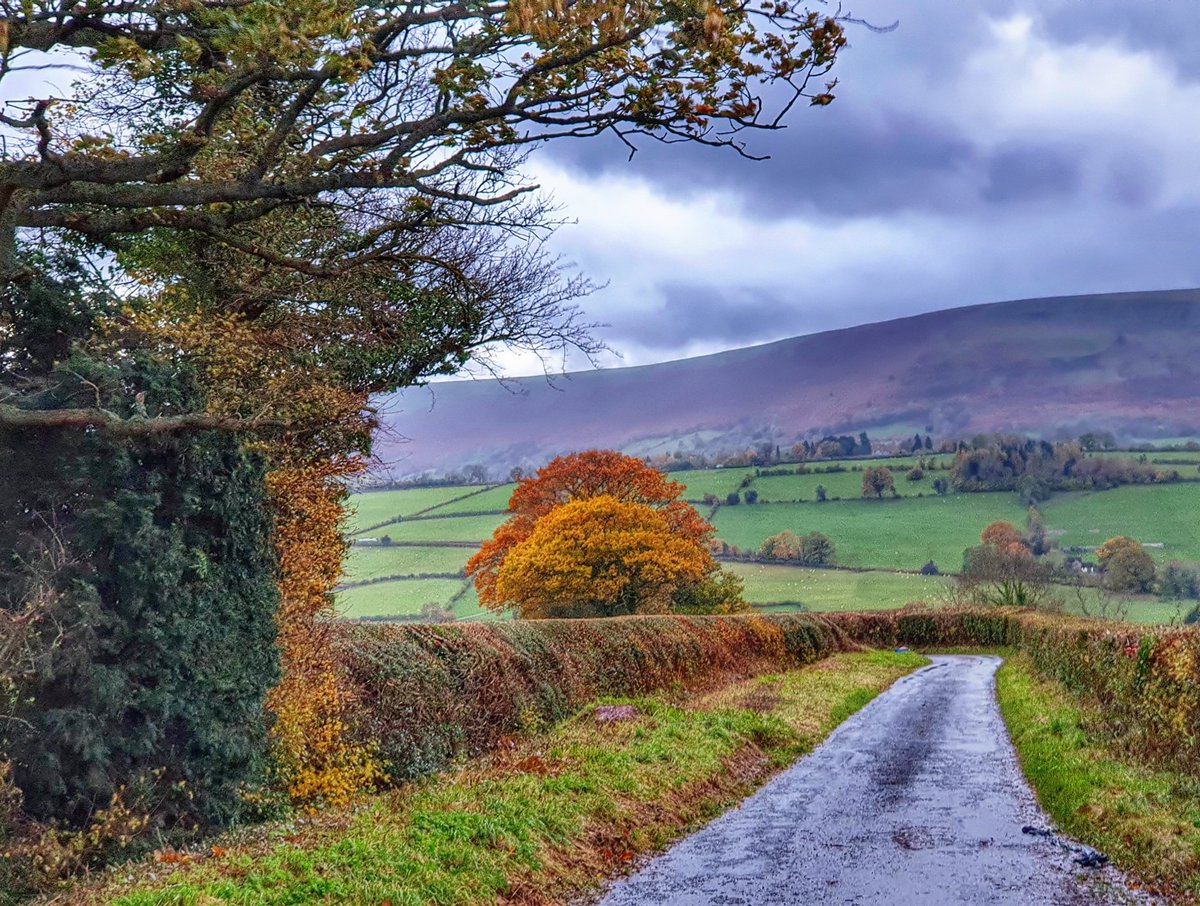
(1147, 820)
(543, 819)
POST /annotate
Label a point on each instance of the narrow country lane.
(918, 798)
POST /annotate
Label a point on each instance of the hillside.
(1123, 362)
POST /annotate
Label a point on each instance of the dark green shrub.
(150, 561)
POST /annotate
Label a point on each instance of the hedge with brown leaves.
(431, 693)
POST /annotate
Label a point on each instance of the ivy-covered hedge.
(141, 575)
(430, 693)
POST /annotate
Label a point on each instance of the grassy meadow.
(435, 533)
(902, 533)
(838, 485)
(1167, 515)
(384, 506)
(833, 589)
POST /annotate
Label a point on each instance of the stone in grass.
(611, 714)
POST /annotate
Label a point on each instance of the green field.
(885, 534)
(901, 462)
(834, 589)
(710, 481)
(494, 500)
(1151, 610)
(896, 534)
(373, 562)
(1160, 456)
(400, 598)
(373, 507)
(405, 597)
(450, 528)
(1166, 514)
(845, 485)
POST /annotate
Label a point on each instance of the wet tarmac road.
(915, 799)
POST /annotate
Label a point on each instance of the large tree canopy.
(318, 159)
(283, 208)
(600, 533)
(580, 476)
(600, 557)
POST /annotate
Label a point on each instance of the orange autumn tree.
(1004, 537)
(600, 533)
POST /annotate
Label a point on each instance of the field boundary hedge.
(430, 693)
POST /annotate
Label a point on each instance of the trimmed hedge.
(431, 693)
(428, 694)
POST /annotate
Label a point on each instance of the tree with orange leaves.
(1003, 536)
(600, 557)
(601, 533)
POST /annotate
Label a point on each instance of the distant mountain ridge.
(1128, 363)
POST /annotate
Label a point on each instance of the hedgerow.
(141, 572)
(430, 693)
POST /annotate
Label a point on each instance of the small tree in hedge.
(877, 480)
(1127, 566)
(813, 549)
(1002, 570)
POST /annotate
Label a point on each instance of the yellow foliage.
(600, 556)
(312, 702)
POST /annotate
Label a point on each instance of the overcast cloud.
(979, 152)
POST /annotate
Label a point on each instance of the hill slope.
(1124, 362)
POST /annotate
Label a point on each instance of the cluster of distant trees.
(1037, 468)
(767, 453)
(833, 446)
(812, 549)
(472, 474)
(1012, 567)
(992, 462)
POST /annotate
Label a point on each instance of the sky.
(980, 151)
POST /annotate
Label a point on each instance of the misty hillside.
(1124, 362)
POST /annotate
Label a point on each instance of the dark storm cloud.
(1134, 179)
(1166, 27)
(859, 162)
(981, 151)
(889, 144)
(691, 312)
(1031, 173)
